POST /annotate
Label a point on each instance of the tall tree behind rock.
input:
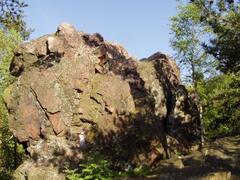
(217, 22)
(223, 18)
(188, 33)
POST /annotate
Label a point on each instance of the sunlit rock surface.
(71, 84)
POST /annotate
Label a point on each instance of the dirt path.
(219, 160)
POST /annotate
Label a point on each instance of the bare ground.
(219, 160)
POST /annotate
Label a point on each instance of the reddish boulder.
(76, 90)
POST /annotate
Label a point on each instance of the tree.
(222, 104)
(188, 34)
(12, 32)
(223, 18)
(8, 147)
(12, 17)
(205, 28)
(10, 152)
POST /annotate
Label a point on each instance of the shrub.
(221, 100)
(95, 167)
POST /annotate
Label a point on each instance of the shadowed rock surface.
(76, 91)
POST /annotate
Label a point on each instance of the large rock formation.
(76, 91)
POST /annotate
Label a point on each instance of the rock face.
(76, 91)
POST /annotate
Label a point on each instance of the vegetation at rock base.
(97, 167)
(94, 167)
(12, 32)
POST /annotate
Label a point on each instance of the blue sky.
(141, 26)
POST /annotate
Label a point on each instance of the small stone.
(51, 42)
(99, 69)
(110, 109)
(54, 45)
(224, 175)
(80, 110)
(30, 48)
(58, 125)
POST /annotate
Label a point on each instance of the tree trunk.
(202, 125)
(199, 104)
(15, 154)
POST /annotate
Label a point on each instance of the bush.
(95, 167)
(11, 153)
(221, 101)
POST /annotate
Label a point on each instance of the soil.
(218, 160)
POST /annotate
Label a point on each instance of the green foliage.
(221, 99)
(94, 168)
(12, 31)
(203, 30)
(10, 152)
(97, 167)
(222, 17)
(9, 40)
(12, 15)
(188, 35)
(140, 171)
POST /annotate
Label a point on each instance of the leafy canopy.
(221, 99)
(187, 37)
(223, 18)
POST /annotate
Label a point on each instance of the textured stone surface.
(32, 171)
(71, 82)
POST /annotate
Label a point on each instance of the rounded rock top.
(66, 28)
